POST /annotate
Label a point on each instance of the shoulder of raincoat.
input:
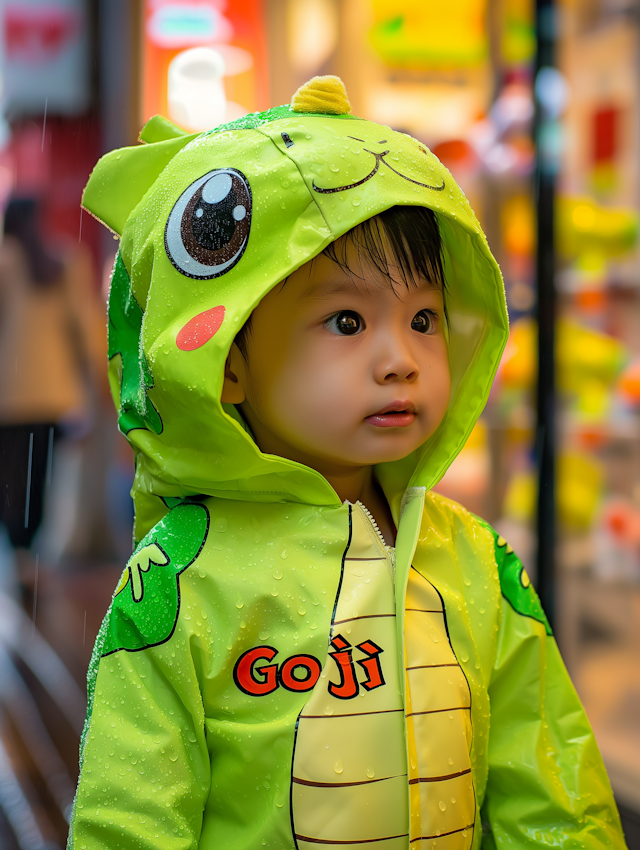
(269, 673)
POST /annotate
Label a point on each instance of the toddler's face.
(340, 372)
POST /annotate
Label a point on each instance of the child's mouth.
(398, 414)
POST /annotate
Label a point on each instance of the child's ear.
(234, 368)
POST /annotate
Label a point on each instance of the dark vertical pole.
(546, 168)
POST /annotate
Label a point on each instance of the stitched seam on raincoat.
(313, 200)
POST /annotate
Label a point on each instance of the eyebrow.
(334, 286)
(324, 289)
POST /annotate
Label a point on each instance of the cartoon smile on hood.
(380, 158)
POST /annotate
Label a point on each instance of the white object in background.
(195, 93)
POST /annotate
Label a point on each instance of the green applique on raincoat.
(146, 603)
(515, 583)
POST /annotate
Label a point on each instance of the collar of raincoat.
(295, 160)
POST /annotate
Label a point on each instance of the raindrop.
(221, 525)
(35, 584)
(338, 766)
(370, 772)
(442, 806)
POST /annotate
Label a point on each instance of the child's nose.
(397, 364)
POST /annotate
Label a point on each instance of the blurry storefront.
(82, 76)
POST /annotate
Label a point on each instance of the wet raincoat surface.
(270, 674)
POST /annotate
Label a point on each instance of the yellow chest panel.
(351, 784)
(438, 704)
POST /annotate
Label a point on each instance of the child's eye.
(423, 322)
(345, 323)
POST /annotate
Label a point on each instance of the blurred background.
(534, 106)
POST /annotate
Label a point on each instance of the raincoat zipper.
(390, 550)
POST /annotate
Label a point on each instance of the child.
(304, 324)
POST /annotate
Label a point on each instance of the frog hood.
(209, 223)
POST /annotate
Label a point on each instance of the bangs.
(401, 242)
(405, 238)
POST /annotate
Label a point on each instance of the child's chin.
(374, 458)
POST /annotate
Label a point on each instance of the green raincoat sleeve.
(547, 785)
(145, 770)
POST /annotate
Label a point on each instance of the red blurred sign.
(46, 52)
(38, 34)
(605, 134)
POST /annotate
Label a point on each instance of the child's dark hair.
(410, 234)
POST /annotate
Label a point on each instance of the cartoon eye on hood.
(208, 228)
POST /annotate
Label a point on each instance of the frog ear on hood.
(160, 129)
(121, 178)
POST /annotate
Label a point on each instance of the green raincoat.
(269, 673)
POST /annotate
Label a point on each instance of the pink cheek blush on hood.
(200, 329)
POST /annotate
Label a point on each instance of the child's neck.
(361, 486)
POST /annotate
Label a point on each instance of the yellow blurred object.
(478, 437)
(579, 490)
(520, 498)
(594, 401)
(518, 368)
(418, 33)
(592, 268)
(518, 43)
(325, 95)
(518, 225)
(582, 226)
(584, 357)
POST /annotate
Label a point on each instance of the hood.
(278, 186)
